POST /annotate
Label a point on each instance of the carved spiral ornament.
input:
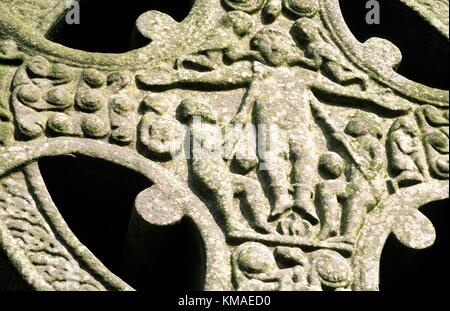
(248, 6)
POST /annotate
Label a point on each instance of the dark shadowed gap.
(107, 26)
(96, 198)
(10, 278)
(425, 52)
(170, 258)
(405, 269)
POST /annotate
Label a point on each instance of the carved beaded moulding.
(357, 149)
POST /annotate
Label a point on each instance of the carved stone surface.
(295, 149)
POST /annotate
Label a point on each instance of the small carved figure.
(329, 193)
(406, 154)
(255, 268)
(361, 141)
(325, 269)
(225, 41)
(435, 123)
(278, 49)
(323, 56)
(161, 135)
(330, 270)
(294, 225)
(211, 173)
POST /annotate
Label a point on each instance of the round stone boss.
(294, 149)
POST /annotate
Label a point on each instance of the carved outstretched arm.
(345, 142)
(238, 53)
(376, 162)
(328, 88)
(321, 116)
(305, 61)
(339, 136)
(314, 58)
(240, 120)
(236, 75)
(245, 111)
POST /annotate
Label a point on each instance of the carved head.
(240, 22)
(362, 124)
(190, 108)
(306, 31)
(330, 269)
(39, 66)
(331, 165)
(406, 124)
(274, 45)
(156, 103)
(255, 258)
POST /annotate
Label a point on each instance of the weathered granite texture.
(345, 153)
(434, 12)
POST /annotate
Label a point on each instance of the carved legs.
(361, 197)
(223, 185)
(341, 75)
(276, 169)
(329, 208)
(304, 168)
(280, 187)
(258, 204)
(217, 182)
